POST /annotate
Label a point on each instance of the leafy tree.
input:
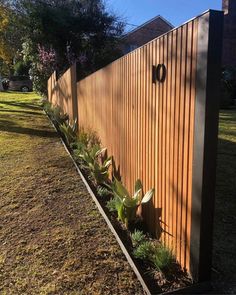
(21, 68)
(81, 31)
(10, 35)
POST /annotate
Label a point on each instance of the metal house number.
(159, 73)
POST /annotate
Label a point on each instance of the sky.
(175, 11)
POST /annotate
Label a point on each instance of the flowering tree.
(47, 60)
(42, 66)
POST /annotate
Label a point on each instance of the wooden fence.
(156, 110)
(62, 92)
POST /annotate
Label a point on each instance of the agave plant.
(89, 156)
(125, 204)
(98, 167)
(69, 131)
(57, 116)
(47, 107)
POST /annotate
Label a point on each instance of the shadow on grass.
(9, 126)
(20, 111)
(20, 104)
(224, 257)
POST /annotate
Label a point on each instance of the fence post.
(73, 74)
(210, 32)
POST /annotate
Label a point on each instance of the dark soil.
(157, 282)
(53, 240)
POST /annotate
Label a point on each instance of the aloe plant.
(57, 116)
(69, 131)
(125, 204)
(99, 168)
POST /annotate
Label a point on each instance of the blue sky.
(175, 11)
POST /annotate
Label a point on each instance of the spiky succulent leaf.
(121, 211)
(107, 163)
(100, 151)
(130, 202)
(120, 189)
(147, 197)
(138, 185)
(137, 196)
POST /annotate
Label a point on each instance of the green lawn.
(224, 259)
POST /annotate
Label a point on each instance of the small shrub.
(97, 165)
(85, 141)
(55, 113)
(144, 250)
(126, 204)
(112, 205)
(137, 237)
(58, 117)
(228, 87)
(103, 191)
(75, 145)
(88, 138)
(162, 258)
(48, 108)
(69, 131)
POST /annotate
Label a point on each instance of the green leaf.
(107, 162)
(138, 185)
(120, 189)
(137, 195)
(121, 212)
(148, 196)
(130, 202)
(99, 152)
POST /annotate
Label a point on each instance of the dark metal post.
(210, 34)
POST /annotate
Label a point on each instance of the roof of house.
(148, 22)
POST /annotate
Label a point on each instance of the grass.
(224, 255)
(52, 237)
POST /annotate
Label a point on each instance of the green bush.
(137, 237)
(55, 113)
(21, 68)
(97, 165)
(58, 117)
(70, 131)
(144, 251)
(228, 87)
(102, 191)
(162, 258)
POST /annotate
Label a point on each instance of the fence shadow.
(20, 104)
(224, 254)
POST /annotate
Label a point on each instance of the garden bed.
(174, 280)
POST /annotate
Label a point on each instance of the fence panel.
(62, 92)
(150, 128)
(156, 111)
